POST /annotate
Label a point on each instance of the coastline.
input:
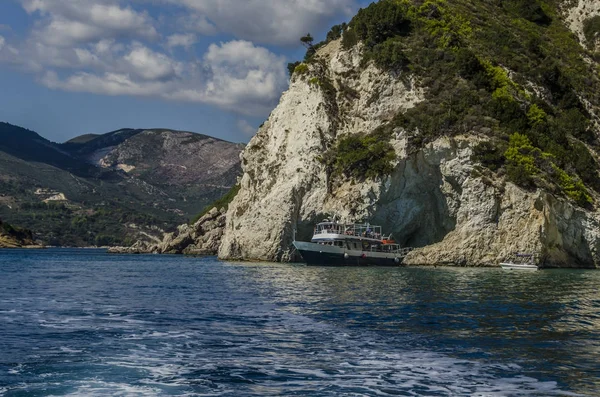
(28, 247)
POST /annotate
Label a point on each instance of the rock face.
(285, 185)
(436, 198)
(201, 238)
(576, 16)
(494, 219)
(140, 247)
(11, 237)
(164, 157)
(181, 164)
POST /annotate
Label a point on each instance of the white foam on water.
(102, 389)
(160, 335)
(289, 354)
(70, 350)
(16, 370)
(360, 364)
(254, 349)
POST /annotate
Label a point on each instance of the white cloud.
(181, 40)
(108, 46)
(68, 23)
(198, 23)
(236, 76)
(114, 47)
(268, 21)
(150, 65)
(245, 127)
(8, 53)
(106, 84)
(243, 77)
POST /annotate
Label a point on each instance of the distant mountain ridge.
(30, 146)
(162, 156)
(113, 188)
(82, 138)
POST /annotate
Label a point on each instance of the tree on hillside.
(307, 40)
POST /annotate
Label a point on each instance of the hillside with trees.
(14, 237)
(111, 189)
(511, 71)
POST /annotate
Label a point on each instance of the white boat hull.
(519, 266)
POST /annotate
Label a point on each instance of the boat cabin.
(355, 237)
(326, 228)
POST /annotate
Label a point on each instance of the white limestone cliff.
(436, 197)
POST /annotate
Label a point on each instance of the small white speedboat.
(527, 262)
(519, 266)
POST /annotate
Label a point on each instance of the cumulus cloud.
(150, 65)
(268, 21)
(241, 77)
(199, 24)
(115, 47)
(68, 23)
(181, 40)
(235, 75)
(105, 84)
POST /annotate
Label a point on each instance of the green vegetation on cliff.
(591, 29)
(508, 70)
(361, 156)
(14, 237)
(222, 202)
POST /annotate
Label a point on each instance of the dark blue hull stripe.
(331, 259)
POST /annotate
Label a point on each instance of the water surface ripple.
(81, 322)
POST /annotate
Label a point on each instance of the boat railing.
(404, 251)
(355, 230)
(397, 250)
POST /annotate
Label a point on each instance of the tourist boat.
(527, 263)
(340, 244)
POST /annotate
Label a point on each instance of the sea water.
(85, 323)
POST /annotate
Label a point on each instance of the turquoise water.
(81, 322)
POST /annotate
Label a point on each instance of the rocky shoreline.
(201, 238)
(13, 237)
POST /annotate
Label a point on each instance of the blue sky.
(217, 67)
